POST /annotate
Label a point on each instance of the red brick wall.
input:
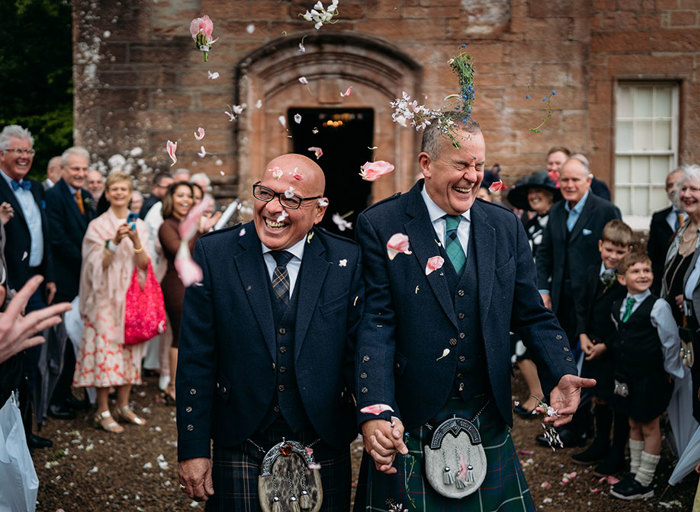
(149, 84)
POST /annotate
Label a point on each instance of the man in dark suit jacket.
(27, 251)
(69, 208)
(434, 337)
(663, 226)
(266, 347)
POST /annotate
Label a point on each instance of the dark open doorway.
(345, 136)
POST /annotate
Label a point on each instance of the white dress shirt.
(293, 266)
(32, 215)
(666, 328)
(437, 217)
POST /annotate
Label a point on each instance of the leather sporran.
(290, 480)
(455, 461)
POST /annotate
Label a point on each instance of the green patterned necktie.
(628, 309)
(452, 246)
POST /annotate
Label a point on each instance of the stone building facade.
(139, 81)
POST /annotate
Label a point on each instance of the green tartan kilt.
(503, 490)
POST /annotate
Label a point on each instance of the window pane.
(663, 102)
(622, 170)
(640, 170)
(624, 139)
(660, 167)
(622, 199)
(640, 200)
(662, 135)
(643, 135)
(643, 102)
(624, 102)
(658, 199)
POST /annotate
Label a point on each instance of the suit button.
(276, 408)
(453, 341)
(283, 349)
(283, 369)
(281, 388)
(193, 391)
(568, 358)
(460, 316)
(365, 359)
(460, 293)
(460, 376)
(223, 389)
(558, 336)
(364, 390)
(462, 335)
(188, 409)
(566, 349)
(283, 330)
(190, 428)
(363, 375)
(462, 359)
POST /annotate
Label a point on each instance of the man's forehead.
(16, 141)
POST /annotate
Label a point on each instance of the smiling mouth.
(275, 225)
(462, 190)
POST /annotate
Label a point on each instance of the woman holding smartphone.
(112, 248)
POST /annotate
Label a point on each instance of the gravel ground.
(92, 470)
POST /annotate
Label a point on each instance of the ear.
(320, 211)
(600, 245)
(621, 279)
(424, 161)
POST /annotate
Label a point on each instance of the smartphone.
(131, 220)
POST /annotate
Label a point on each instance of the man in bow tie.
(27, 250)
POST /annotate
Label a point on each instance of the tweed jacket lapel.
(484, 240)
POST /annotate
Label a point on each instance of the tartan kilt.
(504, 489)
(235, 474)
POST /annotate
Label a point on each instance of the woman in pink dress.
(112, 248)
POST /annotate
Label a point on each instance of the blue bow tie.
(25, 184)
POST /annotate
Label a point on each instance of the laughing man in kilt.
(434, 338)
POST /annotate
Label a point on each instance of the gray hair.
(181, 170)
(202, 180)
(75, 150)
(580, 158)
(690, 172)
(432, 135)
(14, 131)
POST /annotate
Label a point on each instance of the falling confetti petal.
(250, 28)
(444, 354)
(258, 104)
(376, 409)
(497, 185)
(371, 171)
(199, 134)
(398, 243)
(202, 152)
(343, 263)
(297, 118)
(282, 216)
(214, 75)
(372, 148)
(417, 288)
(303, 80)
(341, 222)
(314, 131)
(282, 120)
(297, 175)
(346, 93)
(289, 193)
(323, 202)
(277, 173)
(171, 147)
(318, 152)
(242, 232)
(302, 48)
(434, 264)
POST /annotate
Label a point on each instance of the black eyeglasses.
(292, 201)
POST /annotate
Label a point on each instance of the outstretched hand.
(195, 478)
(565, 397)
(382, 440)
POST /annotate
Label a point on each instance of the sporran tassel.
(305, 501)
(294, 504)
(460, 484)
(470, 474)
(447, 477)
(276, 505)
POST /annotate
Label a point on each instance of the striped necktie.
(452, 246)
(280, 276)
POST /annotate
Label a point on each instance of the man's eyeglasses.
(292, 201)
(18, 151)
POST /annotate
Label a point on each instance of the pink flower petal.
(318, 152)
(199, 134)
(398, 243)
(434, 263)
(376, 409)
(171, 147)
(346, 93)
(612, 480)
(277, 173)
(297, 175)
(497, 185)
(371, 171)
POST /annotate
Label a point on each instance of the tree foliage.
(36, 65)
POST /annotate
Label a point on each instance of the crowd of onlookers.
(628, 307)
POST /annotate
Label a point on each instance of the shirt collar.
(602, 269)
(7, 178)
(579, 206)
(435, 212)
(297, 249)
(640, 297)
(72, 190)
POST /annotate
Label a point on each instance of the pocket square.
(587, 232)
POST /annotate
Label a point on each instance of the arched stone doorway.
(332, 62)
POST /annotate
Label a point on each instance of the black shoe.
(74, 403)
(525, 414)
(631, 489)
(594, 453)
(35, 441)
(612, 464)
(61, 412)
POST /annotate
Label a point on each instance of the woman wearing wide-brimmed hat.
(535, 193)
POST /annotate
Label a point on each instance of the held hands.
(382, 441)
(565, 398)
(592, 349)
(195, 478)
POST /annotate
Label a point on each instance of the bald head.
(53, 170)
(312, 178)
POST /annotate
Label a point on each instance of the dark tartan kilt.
(504, 488)
(648, 397)
(235, 474)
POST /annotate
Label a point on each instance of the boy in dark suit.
(596, 331)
